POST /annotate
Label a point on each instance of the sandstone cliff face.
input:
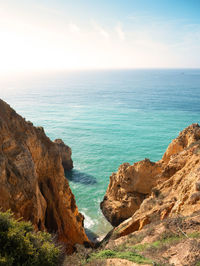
(128, 188)
(32, 181)
(188, 136)
(65, 153)
(151, 191)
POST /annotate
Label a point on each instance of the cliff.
(146, 192)
(155, 208)
(128, 188)
(65, 153)
(32, 181)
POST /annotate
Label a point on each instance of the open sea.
(107, 118)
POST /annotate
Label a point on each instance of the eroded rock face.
(128, 188)
(65, 152)
(179, 195)
(32, 181)
(147, 189)
(188, 136)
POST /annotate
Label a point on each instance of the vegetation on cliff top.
(21, 245)
(174, 241)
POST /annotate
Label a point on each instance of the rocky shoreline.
(32, 180)
(147, 191)
(33, 186)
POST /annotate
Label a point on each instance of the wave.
(88, 222)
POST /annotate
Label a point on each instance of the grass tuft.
(128, 255)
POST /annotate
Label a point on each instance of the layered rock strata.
(32, 181)
(147, 191)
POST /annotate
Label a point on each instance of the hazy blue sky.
(62, 34)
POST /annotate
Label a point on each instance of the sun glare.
(30, 42)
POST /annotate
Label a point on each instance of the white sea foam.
(88, 222)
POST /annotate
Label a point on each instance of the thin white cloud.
(120, 32)
(100, 30)
(73, 28)
(28, 43)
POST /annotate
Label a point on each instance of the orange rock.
(185, 139)
(32, 181)
(65, 152)
(166, 212)
(173, 186)
(144, 222)
(128, 188)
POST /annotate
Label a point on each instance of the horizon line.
(35, 71)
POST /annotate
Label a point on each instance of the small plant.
(128, 255)
(156, 192)
(194, 235)
(20, 245)
(79, 257)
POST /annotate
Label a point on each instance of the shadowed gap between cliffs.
(91, 235)
(80, 177)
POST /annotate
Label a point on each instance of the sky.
(42, 35)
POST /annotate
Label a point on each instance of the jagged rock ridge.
(146, 191)
(32, 181)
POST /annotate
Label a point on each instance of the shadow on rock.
(91, 235)
(80, 177)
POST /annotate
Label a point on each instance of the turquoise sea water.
(107, 118)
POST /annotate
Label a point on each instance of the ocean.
(107, 118)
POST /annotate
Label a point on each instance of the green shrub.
(128, 255)
(21, 245)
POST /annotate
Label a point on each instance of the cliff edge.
(145, 192)
(32, 181)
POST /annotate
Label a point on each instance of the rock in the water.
(146, 190)
(32, 181)
(65, 152)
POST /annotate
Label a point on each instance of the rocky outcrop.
(173, 241)
(146, 191)
(128, 188)
(32, 181)
(186, 138)
(65, 153)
